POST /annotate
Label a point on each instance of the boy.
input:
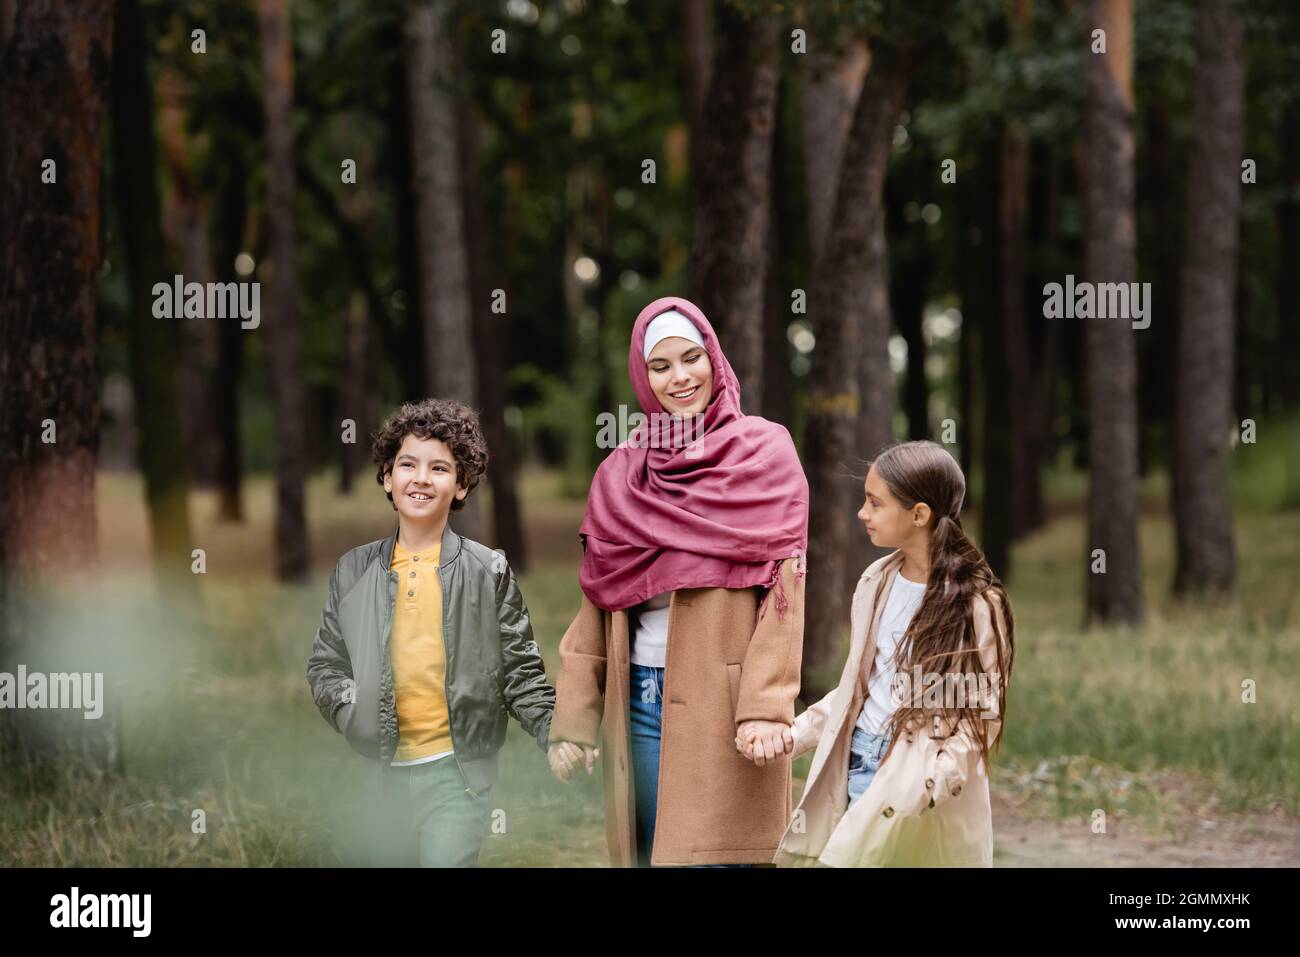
(425, 644)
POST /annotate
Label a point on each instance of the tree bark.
(1287, 214)
(489, 340)
(229, 217)
(848, 299)
(56, 72)
(1110, 254)
(151, 343)
(1204, 417)
(733, 195)
(445, 310)
(831, 86)
(284, 350)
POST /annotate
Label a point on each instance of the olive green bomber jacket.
(493, 664)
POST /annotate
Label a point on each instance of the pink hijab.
(719, 503)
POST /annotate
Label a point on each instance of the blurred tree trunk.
(1288, 274)
(1204, 416)
(1022, 378)
(1158, 192)
(445, 309)
(774, 403)
(833, 76)
(151, 342)
(733, 194)
(399, 159)
(490, 334)
(996, 452)
(908, 289)
(1110, 255)
(284, 351)
(229, 218)
(184, 223)
(849, 302)
(56, 63)
(358, 390)
(697, 44)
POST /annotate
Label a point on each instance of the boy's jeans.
(865, 753)
(426, 818)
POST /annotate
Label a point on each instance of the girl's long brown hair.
(941, 637)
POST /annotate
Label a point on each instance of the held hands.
(565, 757)
(762, 741)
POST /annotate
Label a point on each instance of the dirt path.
(1253, 839)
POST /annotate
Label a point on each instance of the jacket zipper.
(446, 689)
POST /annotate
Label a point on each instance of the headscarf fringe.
(777, 587)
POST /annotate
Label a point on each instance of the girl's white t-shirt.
(904, 599)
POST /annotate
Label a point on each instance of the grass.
(228, 763)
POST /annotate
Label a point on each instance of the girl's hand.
(762, 741)
(565, 756)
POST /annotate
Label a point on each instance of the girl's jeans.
(646, 695)
(865, 754)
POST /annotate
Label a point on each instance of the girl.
(694, 529)
(899, 776)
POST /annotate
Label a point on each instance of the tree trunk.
(1203, 421)
(445, 310)
(229, 218)
(1288, 274)
(284, 351)
(1110, 254)
(831, 86)
(733, 195)
(997, 456)
(151, 342)
(55, 77)
(847, 300)
(489, 341)
(696, 43)
(358, 390)
(1026, 503)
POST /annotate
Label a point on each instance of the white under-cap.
(666, 324)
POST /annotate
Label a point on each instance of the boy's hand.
(565, 757)
(762, 741)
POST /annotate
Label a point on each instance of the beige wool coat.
(893, 823)
(722, 668)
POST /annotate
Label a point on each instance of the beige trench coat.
(893, 822)
(715, 806)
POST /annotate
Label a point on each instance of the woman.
(690, 634)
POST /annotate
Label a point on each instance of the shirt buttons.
(415, 558)
(410, 594)
(412, 574)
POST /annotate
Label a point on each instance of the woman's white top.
(904, 599)
(650, 641)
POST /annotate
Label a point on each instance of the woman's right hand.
(565, 757)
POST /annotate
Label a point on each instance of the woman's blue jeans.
(646, 696)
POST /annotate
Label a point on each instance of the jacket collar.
(451, 543)
(883, 565)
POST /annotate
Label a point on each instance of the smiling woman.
(690, 633)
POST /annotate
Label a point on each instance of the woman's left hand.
(762, 741)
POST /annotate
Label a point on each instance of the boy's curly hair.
(445, 419)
